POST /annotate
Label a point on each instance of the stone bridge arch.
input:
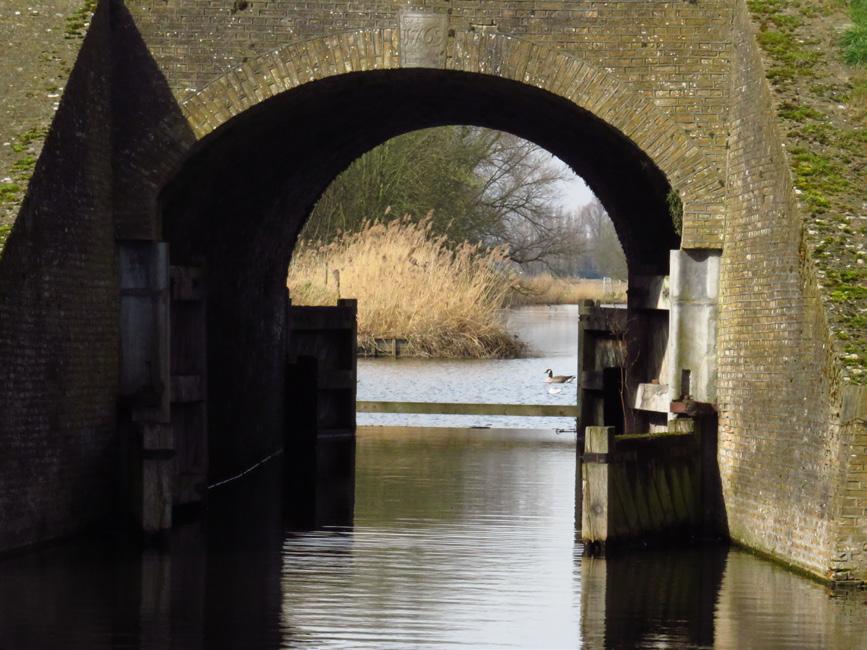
(590, 88)
(264, 140)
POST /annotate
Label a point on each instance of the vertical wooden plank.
(350, 306)
(144, 390)
(612, 398)
(595, 515)
(299, 441)
(144, 328)
(329, 335)
(189, 384)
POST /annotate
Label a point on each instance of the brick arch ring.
(590, 88)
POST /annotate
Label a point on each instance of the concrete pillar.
(694, 296)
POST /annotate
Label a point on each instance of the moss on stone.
(5, 229)
(24, 166)
(817, 177)
(27, 146)
(78, 21)
(9, 192)
(798, 113)
(28, 138)
(822, 105)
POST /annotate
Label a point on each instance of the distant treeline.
(485, 187)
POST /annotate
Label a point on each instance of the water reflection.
(653, 598)
(213, 584)
(763, 605)
(459, 538)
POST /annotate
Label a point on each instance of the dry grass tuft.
(410, 284)
(545, 289)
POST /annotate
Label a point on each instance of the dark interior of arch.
(237, 206)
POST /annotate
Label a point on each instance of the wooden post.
(189, 378)
(319, 472)
(612, 399)
(147, 441)
(299, 440)
(596, 511)
(579, 480)
(329, 335)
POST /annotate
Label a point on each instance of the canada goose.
(557, 379)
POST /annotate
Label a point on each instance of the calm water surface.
(433, 538)
(458, 539)
(551, 334)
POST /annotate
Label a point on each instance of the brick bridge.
(214, 126)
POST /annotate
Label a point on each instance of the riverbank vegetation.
(546, 289)
(412, 284)
(494, 232)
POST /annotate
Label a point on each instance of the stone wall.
(155, 76)
(45, 36)
(58, 321)
(674, 54)
(780, 444)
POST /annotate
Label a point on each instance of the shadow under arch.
(243, 194)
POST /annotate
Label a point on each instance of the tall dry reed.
(545, 289)
(410, 284)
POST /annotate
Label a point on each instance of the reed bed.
(545, 289)
(411, 284)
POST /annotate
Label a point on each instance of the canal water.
(456, 539)
(433, 538)
(551, 336)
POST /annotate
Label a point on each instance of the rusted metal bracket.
(691, 408)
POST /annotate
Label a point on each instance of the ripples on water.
(458, 539)
(466, 540)
(441, 538)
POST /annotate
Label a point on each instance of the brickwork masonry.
(58, 322)
(785, 454)
(792, 438)
(42, 38)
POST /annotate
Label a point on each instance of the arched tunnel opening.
(237, 205)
